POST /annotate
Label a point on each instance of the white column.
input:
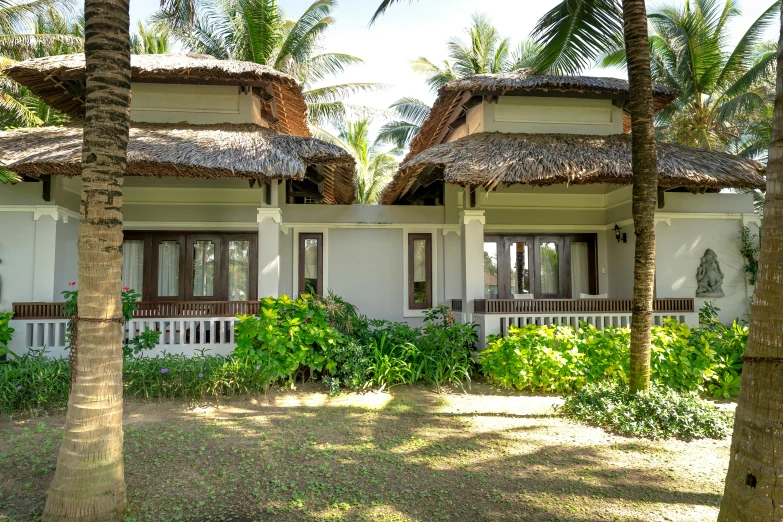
(44, 256)
(269, 220)
(472, 232)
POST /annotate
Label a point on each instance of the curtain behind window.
(133, 264)
(580, 269)
(168, 269)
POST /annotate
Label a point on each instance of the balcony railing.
(568, 306)
(150, 309)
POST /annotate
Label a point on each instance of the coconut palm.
(409, 115)
(89, 481)
(485, 52)
(258, 31)
(46, 32)
(720, 88)
(752, 481)
(150, 40)
(375, 166)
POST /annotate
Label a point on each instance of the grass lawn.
(409, 454)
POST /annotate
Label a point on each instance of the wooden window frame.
(303, 236)
(428, 268)
(149, 292)
(534, 241)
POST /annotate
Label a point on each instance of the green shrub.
(287, 338)
(663, 413)
(563, 359)
(33, 383)
(6, 333)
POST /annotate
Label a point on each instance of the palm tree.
(375, 166)
(257, 31)
(720, 88)
(89, 481)
(486, 52)
(45, 32)
(752, 481)
(409, 115)
(154, 40)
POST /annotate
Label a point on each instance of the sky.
(422, 28)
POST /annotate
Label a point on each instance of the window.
(419, 271)
(311, 263)
(176, 266)
(540, 266)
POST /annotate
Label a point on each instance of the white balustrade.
(181, 335)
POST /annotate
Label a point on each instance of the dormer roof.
(454, 96)
(60, 82)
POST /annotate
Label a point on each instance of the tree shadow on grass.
(410, 458)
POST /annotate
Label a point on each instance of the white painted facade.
(365, 250)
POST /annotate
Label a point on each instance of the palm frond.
(332, 93)
(385, 4)
(320, 66)
(8, 177)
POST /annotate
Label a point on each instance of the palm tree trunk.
(89, 480)
(754, 491)
(645, 188)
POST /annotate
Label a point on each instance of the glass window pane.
(203, 268)
(133, 264)
(490, 270)
(420, 271)
(310, 266)
(238, 270)
(580, 269)
(168, 268)
(520, 268)
(550, 268)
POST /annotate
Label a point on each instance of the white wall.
(17, 251)
(66, 261)
(530, 114)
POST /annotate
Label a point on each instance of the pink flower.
(125, 288)
(72, 283)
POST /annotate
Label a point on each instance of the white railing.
(498, 324)
(178, 335)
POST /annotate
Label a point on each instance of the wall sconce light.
(619, 235)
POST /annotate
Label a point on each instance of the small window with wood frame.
(419, 271)
(311, 263)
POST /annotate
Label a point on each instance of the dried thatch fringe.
(492, 159)
(521, 81)
(59, 80)
(192, 151)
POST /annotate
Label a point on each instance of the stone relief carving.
(709, 276)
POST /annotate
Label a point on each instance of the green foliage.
(6, 333)
(286, 338)
(749, 249)
(33, 382)
(663, 413)
(563, 359)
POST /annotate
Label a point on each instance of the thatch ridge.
(521, 81)
(183, 150)
(59, 80)
(491, 159)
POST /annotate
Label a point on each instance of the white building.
(508, 207)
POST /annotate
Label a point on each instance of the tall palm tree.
(485, 52)
(258, 31)
(720, 88)
(752, 481)
(375, 166)
(150, 40)
(89, 481)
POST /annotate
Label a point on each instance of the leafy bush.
(6, 333)
(287, 338)
(563, 359)
(33, 382)
(663, 413)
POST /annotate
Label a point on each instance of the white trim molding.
(53, 211)
(468, 216)
(269, 213)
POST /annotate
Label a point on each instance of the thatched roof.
(192, 151)
(452, 96)
(60, 81)
(492, 159)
